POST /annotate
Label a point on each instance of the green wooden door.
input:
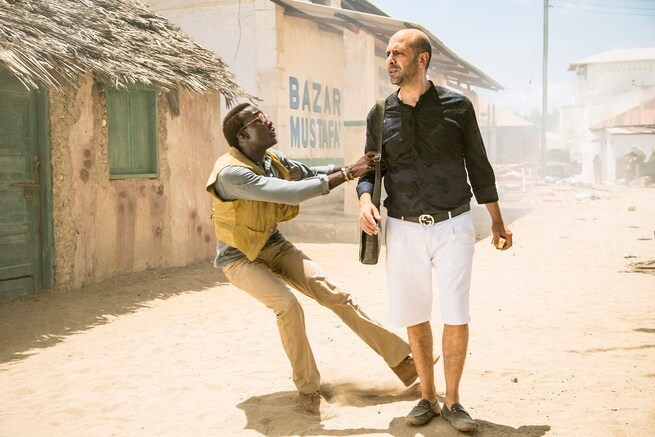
(20, 190)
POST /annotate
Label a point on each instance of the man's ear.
(424, 58)
(243, 135)
(242, 138)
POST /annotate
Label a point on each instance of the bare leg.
(420, 342)
(455, 343)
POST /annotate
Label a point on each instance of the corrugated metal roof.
(640, 115)
(618, 55)
(454, 68)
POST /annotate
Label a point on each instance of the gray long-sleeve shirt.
(240, 183)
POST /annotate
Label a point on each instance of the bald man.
(431, 141)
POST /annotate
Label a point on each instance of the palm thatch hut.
(109, 122)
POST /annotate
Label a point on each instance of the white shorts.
(418, 255)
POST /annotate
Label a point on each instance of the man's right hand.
(369, 216)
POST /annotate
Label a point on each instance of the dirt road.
(562, 342)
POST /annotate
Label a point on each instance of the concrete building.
(109, 120)
(606, 84)
(617, 135)
(318, 68)
(509, 139)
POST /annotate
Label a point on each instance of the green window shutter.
(132, 126)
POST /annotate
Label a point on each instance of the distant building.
(606, 85)
(509, 139)
(617, 135)
(109, 123)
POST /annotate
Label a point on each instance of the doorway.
(25, 224)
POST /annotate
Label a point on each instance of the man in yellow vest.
(254, 188)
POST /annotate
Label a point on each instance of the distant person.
(634, 158)
(598, 169)
(255, 188)
(648, 169)
(431, 141)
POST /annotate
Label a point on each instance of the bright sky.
(503, 38)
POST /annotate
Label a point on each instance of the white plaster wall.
(313, 59)
(270, 74)
(360, 94)
(226, 27)
(605, 82)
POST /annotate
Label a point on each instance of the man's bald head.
(415, 39)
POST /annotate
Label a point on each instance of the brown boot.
(406, 370)
(316, 405)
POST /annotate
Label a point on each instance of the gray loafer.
(423, 412)
(459, 418)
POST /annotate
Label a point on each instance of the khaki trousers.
(266, 279)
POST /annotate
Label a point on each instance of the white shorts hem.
(406, 324)
(457, 322)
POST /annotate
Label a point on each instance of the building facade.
(103, 154)
(318, 67)
(617, 136)
(606, 84)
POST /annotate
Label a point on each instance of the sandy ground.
(562, 342)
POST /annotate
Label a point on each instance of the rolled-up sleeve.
(236, 182)
(299, 171)
(480, 172)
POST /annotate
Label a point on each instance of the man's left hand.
(499, 230)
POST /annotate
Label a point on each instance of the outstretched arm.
(363, 165)
(240, 183)
(235, 182)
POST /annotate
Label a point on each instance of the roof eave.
(347, 18)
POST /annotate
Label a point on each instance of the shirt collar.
(430, 95)
(268, 164)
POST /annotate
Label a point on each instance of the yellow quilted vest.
(247, 224)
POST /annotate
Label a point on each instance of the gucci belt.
(428, 220)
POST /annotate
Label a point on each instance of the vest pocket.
(250, 241)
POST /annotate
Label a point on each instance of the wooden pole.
(544, 97)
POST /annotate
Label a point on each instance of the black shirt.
(427, 151)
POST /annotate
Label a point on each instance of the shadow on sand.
(45, 318)
(482, 221)
(610, 349)
(278, 414)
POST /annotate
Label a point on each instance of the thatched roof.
(51, 42)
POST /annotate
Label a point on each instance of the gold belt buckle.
(426, 220)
